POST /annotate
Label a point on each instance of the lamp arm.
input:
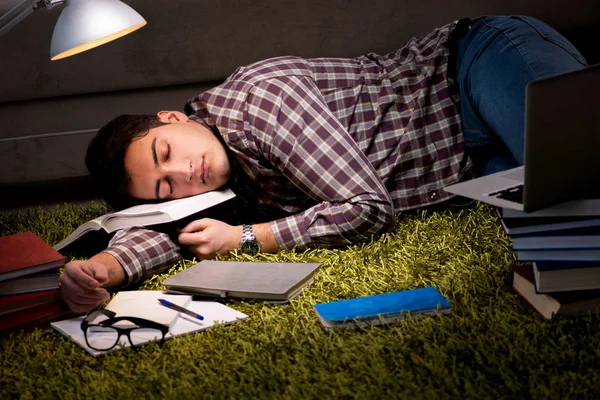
(21, 11)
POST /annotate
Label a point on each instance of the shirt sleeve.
(143, 252)
(300, 136)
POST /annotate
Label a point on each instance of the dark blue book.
(382, 308)
(587, 238)
(527, 225)
(568, 255)
(568, 276)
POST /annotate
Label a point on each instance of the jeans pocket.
(551, 35)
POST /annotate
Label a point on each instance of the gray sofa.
(50, 110)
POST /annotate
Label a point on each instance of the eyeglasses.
(101, 333)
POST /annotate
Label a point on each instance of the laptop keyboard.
(514, 194)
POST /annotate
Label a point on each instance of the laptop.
(562, 147)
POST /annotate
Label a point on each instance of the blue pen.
(175, 307)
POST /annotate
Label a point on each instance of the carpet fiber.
(493, 345)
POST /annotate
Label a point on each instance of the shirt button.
(433, 196)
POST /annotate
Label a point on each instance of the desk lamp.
(82, 25)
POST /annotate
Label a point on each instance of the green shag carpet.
(493, 345)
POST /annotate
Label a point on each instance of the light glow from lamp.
(85, 24)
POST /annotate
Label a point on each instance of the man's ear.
(171, 116)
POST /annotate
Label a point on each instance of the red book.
(21, 302)
(26, 253)
(549, 305)
(36, 313)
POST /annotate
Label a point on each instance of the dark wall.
(50, 110)
(191, 41)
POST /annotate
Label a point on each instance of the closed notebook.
(25, 253)
(382, 308)
(252, 280)
(144, 304)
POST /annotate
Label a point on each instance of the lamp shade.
(85, 24)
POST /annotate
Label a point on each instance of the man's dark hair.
(105, 157)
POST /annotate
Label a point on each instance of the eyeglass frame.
(111, 319)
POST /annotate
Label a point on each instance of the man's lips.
(203, 171)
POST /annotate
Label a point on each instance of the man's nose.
(179, 171)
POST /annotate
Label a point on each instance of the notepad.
(275, 282)
(144, 304)
(382, 308)
(213, 312)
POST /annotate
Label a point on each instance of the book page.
(180, 207)
(144, 304)
(169, 211)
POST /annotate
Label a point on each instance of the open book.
(149, 214)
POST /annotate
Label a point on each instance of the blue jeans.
(496, 59)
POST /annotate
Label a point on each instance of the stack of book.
(29, 291)
(559, 247)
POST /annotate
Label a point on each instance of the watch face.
(250, 247)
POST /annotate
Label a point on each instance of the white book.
(149, 214)
(144, 304)
(213, 313)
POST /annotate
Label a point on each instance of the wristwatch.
(249, 244)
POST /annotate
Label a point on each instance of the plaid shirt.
(342, 144)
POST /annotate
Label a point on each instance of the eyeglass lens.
(106, 337)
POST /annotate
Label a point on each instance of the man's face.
(177, 160)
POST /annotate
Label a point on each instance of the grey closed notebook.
(252, 280)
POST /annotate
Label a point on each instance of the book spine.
(556, 242)
(558, 255)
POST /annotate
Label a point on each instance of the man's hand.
(81, 284)
(208, 237)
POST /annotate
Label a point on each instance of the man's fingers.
(81, 278)
(195, 226)
(191, 239)
(81, 298)
(84, 274)
(97, 271)
(75, 291)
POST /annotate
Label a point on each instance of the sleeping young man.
(321, 152)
